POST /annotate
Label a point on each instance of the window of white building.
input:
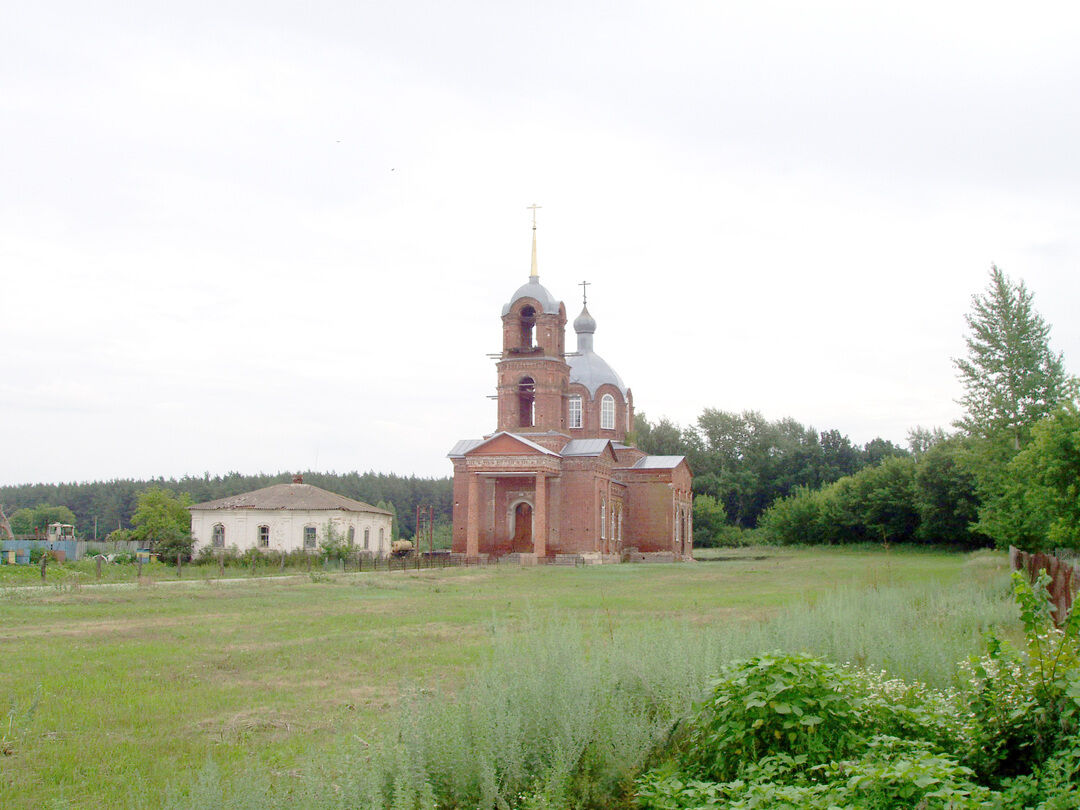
(575, 412)
(607, 412)
(367, 538)
(264, 537)
(218, 536)
(309, 537)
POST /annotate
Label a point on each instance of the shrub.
(168, 549)
(773, 704)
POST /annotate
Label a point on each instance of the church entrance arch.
(521, 520)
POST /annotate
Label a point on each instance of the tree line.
(743, 463)
(111, 505)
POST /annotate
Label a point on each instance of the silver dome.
(587, 367)
(534, 289)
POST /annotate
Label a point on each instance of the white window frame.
(607, 412)
(217, 535)
(574, 412)
(314, 538)
(603, 519)
(262, 540)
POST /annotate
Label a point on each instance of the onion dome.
(587, 368)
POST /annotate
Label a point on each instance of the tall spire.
(533, 272)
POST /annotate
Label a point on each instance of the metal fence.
(72, 549)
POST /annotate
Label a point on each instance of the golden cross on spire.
(533, 273)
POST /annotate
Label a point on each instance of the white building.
(288, 517)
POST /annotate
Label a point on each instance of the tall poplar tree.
(1011, 378)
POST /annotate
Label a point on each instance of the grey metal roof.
(534, 289)
(657, 462)
(585, 447)
(463, 446)
(289, 496)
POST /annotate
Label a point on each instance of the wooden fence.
(1064, 577)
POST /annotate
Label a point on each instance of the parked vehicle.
(60, 531)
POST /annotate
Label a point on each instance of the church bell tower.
(533, 376)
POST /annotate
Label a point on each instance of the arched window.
(218, 536)
(607, 412)
(367, 539)
(526, 401)
(309, 538)
(381, 538)
(603, 519)
(352, 535)
(528, 323)
(575, 412)
(264, 536)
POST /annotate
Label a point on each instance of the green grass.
(84, 572)
(143, 686)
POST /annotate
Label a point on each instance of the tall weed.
(565, 714)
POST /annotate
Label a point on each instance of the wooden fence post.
(221, 564)
(179, 565)
(282, 567)
(98, 560)
(44, 562)
(138, 569)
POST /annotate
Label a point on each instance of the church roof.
(585, 447)
(534, 289)
(289, 496)
(464, 446)
(657, 462)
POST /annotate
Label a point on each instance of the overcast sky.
(265, 236)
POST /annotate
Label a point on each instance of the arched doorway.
(521, 528)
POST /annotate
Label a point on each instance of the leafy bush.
(773, 704)
(168, 549)
(792, 731)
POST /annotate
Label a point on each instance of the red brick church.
(558, 475)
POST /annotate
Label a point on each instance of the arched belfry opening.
(526, 402)
(527, 323)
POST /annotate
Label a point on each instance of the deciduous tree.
(1011, 377)
(162, 521)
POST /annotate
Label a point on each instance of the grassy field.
(141, 686)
